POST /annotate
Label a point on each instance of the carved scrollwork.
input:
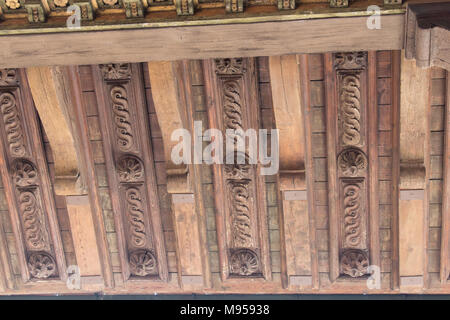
(354, 263)
(8, 77)
(122, 118)
(130, 169)
(229, 66)
(350, 60)
(352, 162)
(244, 262)
(41, 265)
(116, 71)
(24, 173)
(13, 126)
(32, 219)
(135, 211)
(350, 110)
(352, 215)
(240, 215)
(143, 263)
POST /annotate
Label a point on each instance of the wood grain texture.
(200, 42)
(83, 233)
(131, 174)
(53, 100)
(87, 166)
(445, 238)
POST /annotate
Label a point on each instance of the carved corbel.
(427, 34)
(288, 109)
(134, 8)
(169, 105)
(52, 97)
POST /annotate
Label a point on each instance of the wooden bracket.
(427, 34)
(52, 95)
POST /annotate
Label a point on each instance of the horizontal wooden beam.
(204, 41)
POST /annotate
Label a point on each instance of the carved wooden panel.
(131, 170)
(27, 184)
(350, 154)
(241, 219)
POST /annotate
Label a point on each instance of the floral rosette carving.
(244, 262)
(41, 265)
(143, 263)
(354, 263)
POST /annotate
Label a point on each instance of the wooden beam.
(288, 109)
(445, 247)
(413, 184)
(52, 96)
(206, 41)
(170, 82)
(427, 34)
(6, 272)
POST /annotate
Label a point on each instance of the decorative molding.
(13, 124)
(244, 263)
(339, 3)
(286, 4)
(229, 66)
(116, 71)
(185, 7)
(36, 12)
(234, 6)
(134, 8)
(350, 177)
(8, 77)
(87, 11)
(241, 224)
(131, 176)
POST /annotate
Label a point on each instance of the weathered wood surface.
(202, 42)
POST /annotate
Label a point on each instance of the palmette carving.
(352, 162)
(116, 71)
(122, 120)
(244, 262)
(229, 66)
(143, 263)
(135, 211)
(13, 126)
(350, 60)
(130, 169)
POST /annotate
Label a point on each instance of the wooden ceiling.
(87, 179)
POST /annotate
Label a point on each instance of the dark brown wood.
(27, 184)
(131, 175)
(231, 87)
(351, 134)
